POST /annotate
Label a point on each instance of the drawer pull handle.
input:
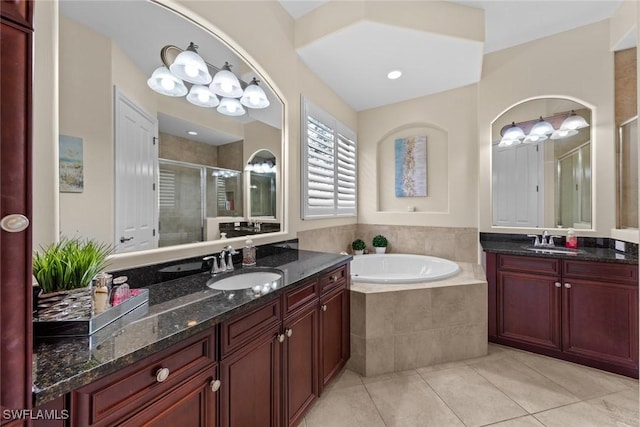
(215, 385)
(558, 285)
(567, 285)
(289, 332)
(162, 374)
(324, 307)
(333, 278)
(281, 338)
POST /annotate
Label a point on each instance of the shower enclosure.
(188, 193)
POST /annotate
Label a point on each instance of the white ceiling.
(354, 60)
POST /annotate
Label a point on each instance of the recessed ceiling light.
(192, 132)
(394, 74)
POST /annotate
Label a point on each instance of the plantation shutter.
(328, 165)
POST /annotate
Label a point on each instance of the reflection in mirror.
(541, 165)
(194, 155)
(628, 174)
(262, 185)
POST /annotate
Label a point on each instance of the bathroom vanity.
(579, 307)
(210, 358)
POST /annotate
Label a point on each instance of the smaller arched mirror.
(261, 170)
(541, 165)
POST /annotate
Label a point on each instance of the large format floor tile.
(409, 402)
(344, 407)
(474, 399)
(506, 388)
(530, 389)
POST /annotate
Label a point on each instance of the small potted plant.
(68, 267)
(380, 243)
(358, 246)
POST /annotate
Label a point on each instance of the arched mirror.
(158, 155)
(261, 169)
(541, 165)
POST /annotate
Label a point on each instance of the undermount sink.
(553, 250)
(259, 281)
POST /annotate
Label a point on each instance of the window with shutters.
(329, 170)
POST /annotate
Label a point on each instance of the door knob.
(125, 239)
(14, 223)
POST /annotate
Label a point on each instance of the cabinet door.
(15, 179)
(600, 321)
(250, 392)
(334, 334)
(300, 363)
(529, 309)
(194, 403)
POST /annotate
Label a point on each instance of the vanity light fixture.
(542, 128)
(563, 133)
(513, 132)
(574, 121)
(188, 66)
(263, 167)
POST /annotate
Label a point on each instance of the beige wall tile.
(412, 311)
(358, 313)
(379, 315)
(357, 361)
(380, 355)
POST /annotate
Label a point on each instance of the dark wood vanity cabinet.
(582, 311)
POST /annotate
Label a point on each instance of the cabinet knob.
(162, 374)
(324, 307)
(333, 278)
(281, 338)
(567, 285)
(558, 285)
(289, 332)
(215, 385)
(14, 223)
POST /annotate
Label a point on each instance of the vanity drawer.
(529, 264)
(246, 327)
(301, 295)
(333, 278)
(609, 272)
(105, 401)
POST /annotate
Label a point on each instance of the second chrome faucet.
(226, 260)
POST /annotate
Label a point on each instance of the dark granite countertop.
(586, 253)
(177, 309)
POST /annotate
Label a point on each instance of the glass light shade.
(254, 96)
(162, 81)
(513, 132)
(202, 97)
(563, 133)
(574, 121)
(225, 83)
(190, 67)
(542, 127)
(508, 142)
(248, 168)
(533, 139)
(230, 107)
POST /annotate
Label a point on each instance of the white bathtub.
(400, 268)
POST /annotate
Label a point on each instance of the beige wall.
(577, 64)
(448, 120)
(173, 147)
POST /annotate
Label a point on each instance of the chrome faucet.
(545, 240)
(226, 258)
(214, 266)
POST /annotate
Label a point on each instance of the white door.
(136, 154)
(516, 186)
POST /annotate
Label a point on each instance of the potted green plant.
(69, 266)
(380, 243)
(358, 246)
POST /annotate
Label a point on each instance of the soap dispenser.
(248, 254)
(572, 239)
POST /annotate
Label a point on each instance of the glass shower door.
(180, 203)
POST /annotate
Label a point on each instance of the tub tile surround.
(505, 388)
(454, 243)
(397, 327)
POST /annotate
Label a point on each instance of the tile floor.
(506, 388)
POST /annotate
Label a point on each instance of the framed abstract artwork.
(411, 166)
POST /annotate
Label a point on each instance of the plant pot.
(358, 252)
(381, 250)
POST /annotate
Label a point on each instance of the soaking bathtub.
(401, 268)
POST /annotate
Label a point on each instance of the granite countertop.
(585, 253)
(177, 309)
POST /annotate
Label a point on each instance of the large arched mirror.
(541, 165)
(153, 168)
